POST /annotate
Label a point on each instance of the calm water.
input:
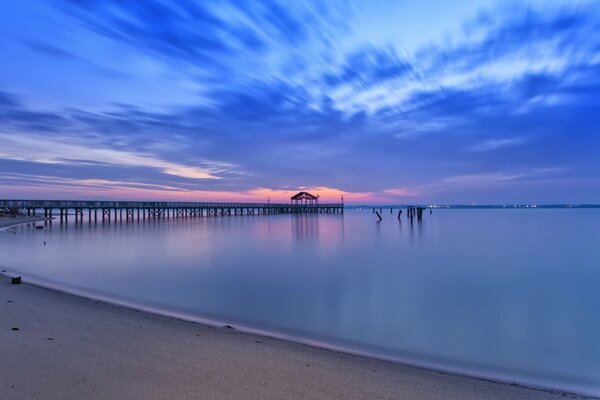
(513, 294)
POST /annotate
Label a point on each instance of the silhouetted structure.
(305, 198)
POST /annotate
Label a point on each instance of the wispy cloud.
(57, 150)
(482, 179)
(494, 144)
(400, 192)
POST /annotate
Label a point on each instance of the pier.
(132, 210)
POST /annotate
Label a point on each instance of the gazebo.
(305, 198)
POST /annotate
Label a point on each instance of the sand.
(70, 347)
(6, 222)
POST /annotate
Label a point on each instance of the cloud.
(186, 33)
(74, 183)
(49, 49)
(482, 179)
(400, 192)
(103, 188)
(45, 150)
(7, 101)
(282, 96)
(493, 144)
(367, 67)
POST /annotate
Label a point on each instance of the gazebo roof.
(303, 196)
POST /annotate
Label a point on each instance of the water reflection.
(305, 227)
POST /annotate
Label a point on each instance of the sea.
(510, 294)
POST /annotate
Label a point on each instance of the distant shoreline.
(482, 206)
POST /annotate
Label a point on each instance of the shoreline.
(429, 379)
(9, 222)
(297, 340)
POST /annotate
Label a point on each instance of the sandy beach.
(55, 345)
(6, 222)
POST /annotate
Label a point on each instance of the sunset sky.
(381, 101)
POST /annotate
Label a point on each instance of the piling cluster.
(411, 213)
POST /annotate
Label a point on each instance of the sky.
(384, 102)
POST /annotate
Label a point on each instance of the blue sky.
(381, 101)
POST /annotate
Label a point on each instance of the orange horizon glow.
(100, 190)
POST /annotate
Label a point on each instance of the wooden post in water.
(378, 215)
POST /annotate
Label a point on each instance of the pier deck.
(130, 210)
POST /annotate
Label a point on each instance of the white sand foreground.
(70, 347)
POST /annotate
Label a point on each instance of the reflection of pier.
(131, 210)
(305, 227)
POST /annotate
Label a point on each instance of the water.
(510, 294)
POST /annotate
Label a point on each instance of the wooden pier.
(132, 210)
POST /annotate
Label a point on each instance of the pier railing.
(17, 204)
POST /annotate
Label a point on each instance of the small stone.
(49, 338)
(228, 327)
(15, 280)
(15, 329)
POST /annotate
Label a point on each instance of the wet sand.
(6, 222)
(70, 347)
